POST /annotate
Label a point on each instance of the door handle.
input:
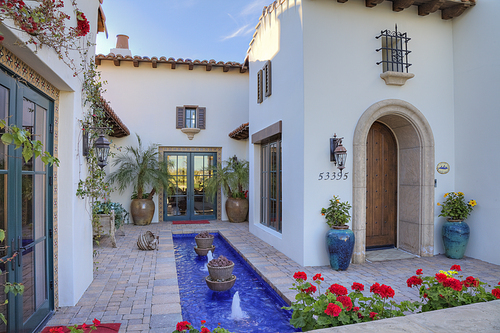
(20, 250)
(13, 257)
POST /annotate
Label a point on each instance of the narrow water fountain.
(236, 311)
(210, 257)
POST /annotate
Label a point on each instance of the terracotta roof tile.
(241, 133)
(209, 64)
(119, 128)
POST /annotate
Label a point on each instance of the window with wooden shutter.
(260, 96)
(267, 71)
(180, 117)
(201, 117)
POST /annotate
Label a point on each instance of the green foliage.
(121, 215)
(312, 312)
(184, 327)
(15, 288)
(22, 138)
(337, 213)
(141, 168)
(444, 290)
(455, 208)
(231, 175)
(145, 195)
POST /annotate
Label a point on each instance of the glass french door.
(186, 199)
(26, 210)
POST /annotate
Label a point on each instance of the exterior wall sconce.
(101, 146)
(338, 153)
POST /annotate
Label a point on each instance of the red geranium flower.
(425, 295)
(203, 322)
(419, 271)
(333, 310)
(338, 290)
(182, 326)
(357, 286)
(96, 322)
(453, 284)
(300, 276)
(456, 268)
(470, 282)
(374, 288)
(496, 293)
(318, 277)
(355, 309)
(441, 277)
(56, 330)
(382, 290)
(414, 281)
(310, 290)
(84, 326)
(204, 330)
(346, 302)
(373, 315)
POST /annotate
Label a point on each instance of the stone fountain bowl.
(204, 243)
(220, 273)
(220, 285)
(203, 252)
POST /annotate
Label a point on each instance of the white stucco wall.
(279, 39)
(476, 47)
(146, 98)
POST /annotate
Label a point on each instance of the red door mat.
(191, 222)
(102, 328)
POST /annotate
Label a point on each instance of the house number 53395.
(332, 175)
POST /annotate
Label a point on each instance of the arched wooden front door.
(381, 187)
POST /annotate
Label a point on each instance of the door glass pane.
(4, 112)
(39, 214)
(28, 280)
(41, 285)
(27, 209)
(28, 125)
(3, 211)
(40, 133)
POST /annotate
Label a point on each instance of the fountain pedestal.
(220, 285)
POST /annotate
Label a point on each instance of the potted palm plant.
(232, 177)
(141, 168)
(340, 239)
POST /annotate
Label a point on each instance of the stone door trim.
(416, 179)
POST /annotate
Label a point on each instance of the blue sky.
(188, 29)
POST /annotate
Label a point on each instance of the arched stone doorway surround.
(415, 176)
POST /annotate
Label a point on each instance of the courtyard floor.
(139, 288)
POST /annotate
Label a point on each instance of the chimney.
(121, 46)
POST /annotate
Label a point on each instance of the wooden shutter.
(268, 78)
(260, 97)
(180, 117)
(201, 115)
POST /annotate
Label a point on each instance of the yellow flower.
(439, 204)
(472, 203)
(338, 200)
(460, 193)
(445, 195)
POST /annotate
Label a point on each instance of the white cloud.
(239, 32)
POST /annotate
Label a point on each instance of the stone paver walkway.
(139, 288)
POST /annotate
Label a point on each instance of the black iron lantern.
(338, 153)
(101, 146)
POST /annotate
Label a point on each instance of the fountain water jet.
(210, 257)
(236, 312)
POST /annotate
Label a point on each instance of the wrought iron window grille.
(394, 50)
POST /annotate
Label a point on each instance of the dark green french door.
(186, 199)
(26, 209)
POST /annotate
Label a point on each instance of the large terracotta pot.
(142, 211)
(237, 209)
(340, 242)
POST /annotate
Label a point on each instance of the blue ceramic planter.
(340, 244)
(455, 238)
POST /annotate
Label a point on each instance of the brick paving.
(139, 288)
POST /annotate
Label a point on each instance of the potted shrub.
(141, 168)
(340, 239)
(221, 276)
(455, 231)
(232, 177)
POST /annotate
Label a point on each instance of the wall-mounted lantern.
(101, 146)
(338, 153)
